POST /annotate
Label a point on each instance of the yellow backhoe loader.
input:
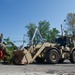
(52, 53)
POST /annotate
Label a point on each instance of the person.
(1, 37)
(3, 51)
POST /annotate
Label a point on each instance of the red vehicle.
(2, 56)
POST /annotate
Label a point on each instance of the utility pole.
(62, 27)
(23, 39)
(61, 30)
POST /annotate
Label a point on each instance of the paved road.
(66, 67)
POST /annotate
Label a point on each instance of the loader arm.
(40, 50)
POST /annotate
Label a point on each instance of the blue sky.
(16, 14)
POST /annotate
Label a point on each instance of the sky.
(16, 14)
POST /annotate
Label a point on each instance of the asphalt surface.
(65, 67)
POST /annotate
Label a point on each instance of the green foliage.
(44, 28)
(10, 46)
(31, 28)
(70, 22)
(45, 31)
(53, 34)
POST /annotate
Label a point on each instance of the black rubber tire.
(53, 56)
(61, 60)
(72, 57)
(39, 60)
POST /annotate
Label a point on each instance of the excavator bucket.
(22, 57)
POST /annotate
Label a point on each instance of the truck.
(53, 53)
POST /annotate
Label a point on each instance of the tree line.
(46, 31)
(50, 34)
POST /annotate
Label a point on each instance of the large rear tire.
(39, 60)
(72, 57)
(53, 56)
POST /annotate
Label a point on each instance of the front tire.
(53, 56)
(39, 60)
(72, 57)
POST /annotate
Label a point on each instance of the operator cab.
(63, 41)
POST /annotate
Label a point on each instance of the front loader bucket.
(23, 56)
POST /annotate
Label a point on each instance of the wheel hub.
(53, 56)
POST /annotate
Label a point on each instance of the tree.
(44, 29)
(31, 28)
(53, 34)
(46, 32)
(70, 23)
